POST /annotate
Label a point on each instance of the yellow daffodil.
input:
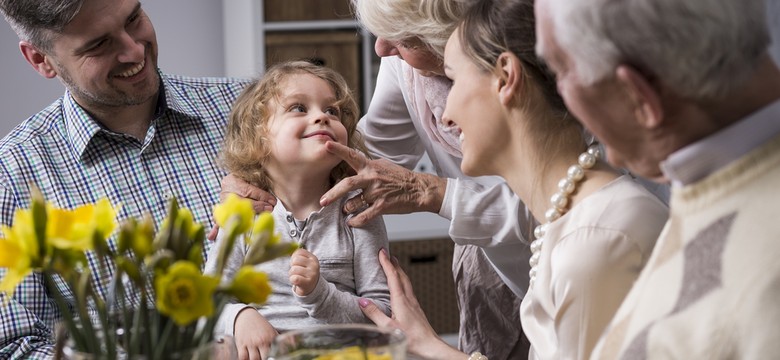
(77, 229)
(236, 208)
(19, 251)
(250, 286)
(184, 294)
(16, 262)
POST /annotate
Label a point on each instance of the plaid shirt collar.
(82, 128)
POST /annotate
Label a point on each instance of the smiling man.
(123, 130)
(684, 92)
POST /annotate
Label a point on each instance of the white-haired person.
(685, 92)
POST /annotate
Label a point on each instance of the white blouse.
(590, 259)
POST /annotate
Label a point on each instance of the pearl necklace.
(559, 202)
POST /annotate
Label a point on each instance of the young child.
(275, 140)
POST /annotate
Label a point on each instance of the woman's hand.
(304, 272)
(407, 315)
(261, 199)
(387, 188)
(253, 335)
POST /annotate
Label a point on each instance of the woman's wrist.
(440, 350)
(435, 188)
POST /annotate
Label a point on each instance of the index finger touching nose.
(355, 159)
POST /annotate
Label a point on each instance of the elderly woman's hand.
(387, 188)
(407, 315)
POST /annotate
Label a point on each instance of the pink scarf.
(429, 96)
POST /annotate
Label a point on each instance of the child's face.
(303, 118)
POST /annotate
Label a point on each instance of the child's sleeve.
(329, 304)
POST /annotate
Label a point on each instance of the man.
(123, 130)
(684, 92)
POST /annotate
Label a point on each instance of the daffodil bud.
(125, 236)
(195, 255)
(235, 206)
(262, 228)
(129, 268)
(142, 237)
(249, 286)
(38, 216)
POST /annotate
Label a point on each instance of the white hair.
(701, 48)
(432, 21)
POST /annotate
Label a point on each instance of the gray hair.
(432, 21)
(702, 49)
(39, 21)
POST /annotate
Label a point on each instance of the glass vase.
(221, 348)
(340, 342)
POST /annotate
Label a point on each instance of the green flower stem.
(205, 335)
(82, 288)
(73, 330)
(231, 232)
(161, 346)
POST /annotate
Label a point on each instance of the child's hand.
(304, 272)
(253, 334)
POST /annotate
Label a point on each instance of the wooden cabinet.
(259, 33)
(337, 49)
(429, 266)
(306, 10)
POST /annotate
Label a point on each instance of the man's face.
(107, 55)
(604, 107)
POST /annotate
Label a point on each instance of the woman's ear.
(645, 98)
(509, 77)
(39, 60)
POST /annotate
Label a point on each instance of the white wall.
(189, 33)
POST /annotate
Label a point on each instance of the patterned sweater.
(711, 289)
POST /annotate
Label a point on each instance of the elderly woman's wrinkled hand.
(387, 188)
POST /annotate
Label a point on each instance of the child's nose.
(321, 118)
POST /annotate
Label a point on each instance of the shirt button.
(289, 218)
(167, 195)
(293, 232)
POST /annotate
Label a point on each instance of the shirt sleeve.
(387, 127)
(493, 218)
(23, 332)
(331, 305)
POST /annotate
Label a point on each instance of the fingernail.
(384, 251)
(323, 200)
(363, 302)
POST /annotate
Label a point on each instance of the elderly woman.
(599, 226)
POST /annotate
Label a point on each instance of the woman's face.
(414, 52)
(474, 110)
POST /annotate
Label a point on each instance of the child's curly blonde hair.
(247, 146)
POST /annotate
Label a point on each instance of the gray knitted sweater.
(349, 269)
